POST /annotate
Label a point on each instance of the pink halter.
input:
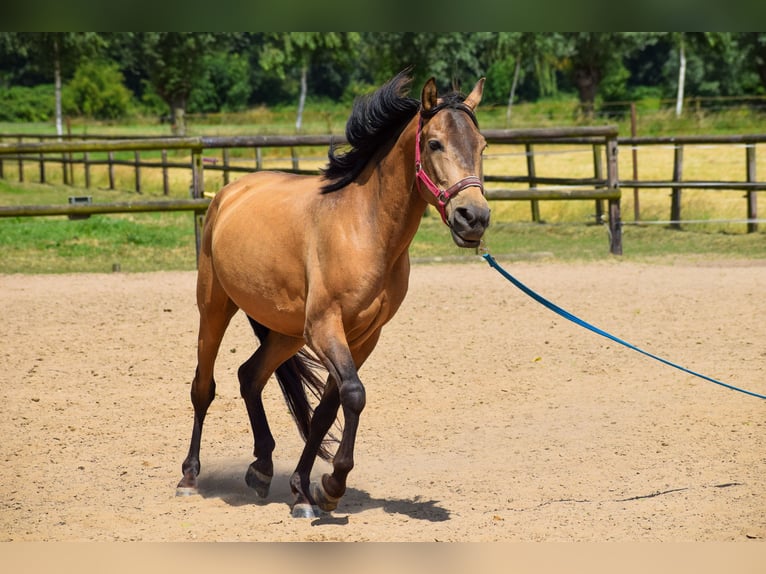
(442, 196)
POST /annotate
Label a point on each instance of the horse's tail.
(294, 376)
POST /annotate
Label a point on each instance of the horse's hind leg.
(274, 350)
(216, 310)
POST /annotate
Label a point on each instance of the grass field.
(148, 242)
(143, 242)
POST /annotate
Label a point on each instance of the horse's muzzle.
(468, 223)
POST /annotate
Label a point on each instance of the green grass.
(165, 241)
(142, 242)
(581, 242)
(322, 117)
(147, 242)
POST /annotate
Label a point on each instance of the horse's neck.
(399, 205)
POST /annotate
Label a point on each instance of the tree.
(173, 62)
(56, 54)
(591, 55)
(710, 54)
(97, 90)
(285, 50)
(753, 50)
(450, 57)
(224, 86)
(535, 51)
(754, 46)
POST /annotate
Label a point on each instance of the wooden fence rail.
(677, 183)
(599, 188)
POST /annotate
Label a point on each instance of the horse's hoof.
(258, 481)
(324, 501)
(186, 491)
(187, 486)
(305, 510)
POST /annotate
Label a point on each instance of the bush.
(97, 90)
(23, 104)
(224, 87)
(499, 79)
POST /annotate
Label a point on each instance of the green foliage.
(224, 72)
(97, 90)
(224, 86)
(150, 102)
(499, 79)
(614, 85)
(26, 104)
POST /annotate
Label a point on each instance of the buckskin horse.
(322, 262)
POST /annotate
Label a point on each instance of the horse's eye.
(434, 145)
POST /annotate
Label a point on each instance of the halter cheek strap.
(442, 196)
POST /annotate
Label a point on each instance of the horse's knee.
(202, 392)
(353, 396)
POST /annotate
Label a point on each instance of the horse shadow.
(230, 487)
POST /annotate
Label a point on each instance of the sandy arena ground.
(488, 417)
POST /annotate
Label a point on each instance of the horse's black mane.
(375, 119)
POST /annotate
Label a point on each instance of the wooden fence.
(602, 187)
(677, 183)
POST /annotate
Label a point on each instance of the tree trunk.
(178, 110)
(513, 91)
(302, 98)
(681, 78)
(57, 87)
(587, 80)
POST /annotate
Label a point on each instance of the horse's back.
(266, 198)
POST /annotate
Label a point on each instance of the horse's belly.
(258, 265)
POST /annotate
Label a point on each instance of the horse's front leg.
(344, 389)
(307, 500)
(350, 395)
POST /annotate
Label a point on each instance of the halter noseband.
(443, 196)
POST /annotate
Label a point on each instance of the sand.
(488, 417)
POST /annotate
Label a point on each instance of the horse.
(320, 263)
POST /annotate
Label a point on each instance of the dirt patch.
(488, 417)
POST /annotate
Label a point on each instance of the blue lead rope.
(576, 320)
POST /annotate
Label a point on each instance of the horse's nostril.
(465, 215)
(471, 217)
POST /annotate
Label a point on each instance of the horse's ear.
(473, 99)
(429, 95)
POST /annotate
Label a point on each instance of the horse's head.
(448, 162)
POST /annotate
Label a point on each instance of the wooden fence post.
(198, 191)
(598, 173)
(137, 160)
(225, 153)
(110, 160)
(534, 204)
(613, 182)
(165, 182)
(42, 164)
(64, 169)
(86, 168)
(633, 129)
(675, 194)
(21, 164)
(752, 208)
(258, 159)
